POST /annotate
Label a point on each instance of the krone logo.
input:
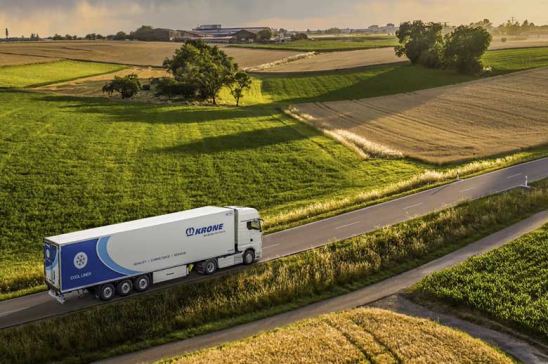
(80, 260)
(190, 231)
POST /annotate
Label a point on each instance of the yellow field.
(446, 124)
(338, 60)
(359, 335)
(133, 53)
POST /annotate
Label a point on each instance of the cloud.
(84, 16)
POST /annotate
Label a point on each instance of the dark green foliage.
(169, 87)
(421, 43)
(464, 48)
(204, 67)
(510, 284)
(299, 36)
(264, 35)
(240, 82)
(128, 86)
(83, 336)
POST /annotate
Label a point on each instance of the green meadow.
(40, 74)
(69, 163)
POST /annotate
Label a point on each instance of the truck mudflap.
(58, 296)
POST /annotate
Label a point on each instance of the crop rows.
(186, 310)
(360, 335)
(508, 284)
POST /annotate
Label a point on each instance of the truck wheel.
(141, 283)
(124, 287)
(210, 266)
(249, 256)
(106, 292)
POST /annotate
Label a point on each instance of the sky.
(47, 17)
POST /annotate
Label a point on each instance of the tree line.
(198, 73)
(461, 49)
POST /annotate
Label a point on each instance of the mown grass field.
(507, 284)
(328, 44)
(45, 73)
(446, 124)
(360, 335)
(265, 289)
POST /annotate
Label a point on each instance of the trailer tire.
(210, 266)
(106, 292)
(249, 256)
(124, 288)
(141, 283)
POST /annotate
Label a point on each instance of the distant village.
(214, 33)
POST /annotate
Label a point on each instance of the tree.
(299, 36)
(207, 68)
(464, 47)
(128, 86)
(420, 42)
(7, 34)
(120, 36)
(240, 82)
(264, 35)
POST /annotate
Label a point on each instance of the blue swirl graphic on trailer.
(88, 263)
(102, 252)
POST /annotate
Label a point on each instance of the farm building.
(216, 31)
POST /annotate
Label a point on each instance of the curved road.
(41, 305)
(361, 297)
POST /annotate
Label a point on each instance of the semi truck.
(119, 259)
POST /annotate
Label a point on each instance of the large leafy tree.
(420, 42)
(464, 47)
(206, 68)
(127, 86)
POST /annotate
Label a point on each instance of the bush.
(299, 36)
(171, 88)
(128, 86)
(464, 47)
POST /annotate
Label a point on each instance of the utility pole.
(7, 34)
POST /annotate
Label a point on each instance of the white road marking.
(410, 207)
(468, 189)
(347, 225)
(514, 175)
(270, 246)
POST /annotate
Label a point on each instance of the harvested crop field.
(14, 59)
(133, 53)
(359, 335)
(446, 124)
(339, 60)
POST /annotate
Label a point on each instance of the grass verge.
(274, 286)
(355, 336)
(507, 284)
(40, 74)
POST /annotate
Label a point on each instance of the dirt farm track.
(446, 124)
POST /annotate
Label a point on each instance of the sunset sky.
(46, 17)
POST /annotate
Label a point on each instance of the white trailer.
(131, 256)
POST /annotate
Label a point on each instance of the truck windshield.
(254, 225)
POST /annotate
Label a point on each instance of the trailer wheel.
(249, 256)
(123, 288)
(141, 283)
(106, 292)
(210, 266)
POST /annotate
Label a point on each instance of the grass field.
(509, 60)
(443, 125)
(46, 73)
(131, 53)
(265, 289)
(74, 163)
(507, 284)
(361, 335)
(68, 164)
(329, 44)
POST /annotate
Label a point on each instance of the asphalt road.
(41, 305)
(357, 298)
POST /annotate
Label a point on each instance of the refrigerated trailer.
(131, 256)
